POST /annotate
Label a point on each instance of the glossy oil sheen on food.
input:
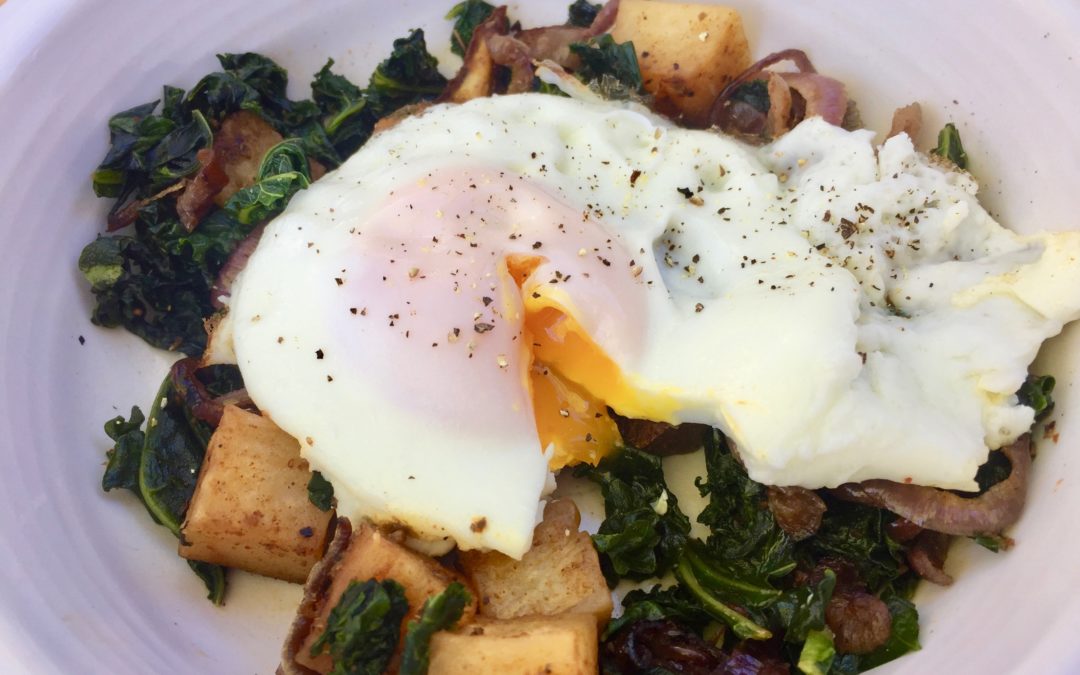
(842, 313)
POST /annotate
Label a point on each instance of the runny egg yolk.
(572, 381)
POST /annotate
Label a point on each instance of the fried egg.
(446, 319)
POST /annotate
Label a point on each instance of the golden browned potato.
(250, 508)
(548, 645)
(560, 573)
(239, 146)
(688, 53)
(372, 555)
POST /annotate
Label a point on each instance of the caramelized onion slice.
(203, 405)
(943, 511)
(927, 557)
(237, 260)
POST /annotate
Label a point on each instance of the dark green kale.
(467, 16)
(132, 134)
(255, 83)
(171, 458)
(857, 534)
(801, 610)
(221, 379)
(754, 93)
(643, 530)
(582, 13)
(284, 171)
(156, 282)
(750, 581)
(745, 538)
(731, 583)
(440, 612)
(155, 295)
(1036, 393)
(363, 628)
(995, 469)
(343, 109)
(609, 65)
(122, 467)
(320, 491)
(247, 81)
(409, 75)
(148, 152)
(743, 626)
(950, 147)
(673, 603)
(160, 467)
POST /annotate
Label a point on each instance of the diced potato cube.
(560, 573)
(372, 555)
(553, 645)
(250, 508)
(688, 53)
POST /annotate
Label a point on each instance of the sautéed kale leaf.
(440, 612)
(160, 467)
(363, 628)
(643, 530)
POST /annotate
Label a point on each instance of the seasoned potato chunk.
(688, 53)
(372, 555)
(239, 145)
(560, 573)
(550, 645)
(250, 508)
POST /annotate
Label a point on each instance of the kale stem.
(717, 581)
(744, 628)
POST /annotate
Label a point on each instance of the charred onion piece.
(941, 510)
(198, 196)
(513, 54)
(798, 56)
(552, 43)
(927, 557)
(798, 511)
(203, 405)
(902, 531)
(665, 646)
(660, 438)
(824, 96)
(662, 646)
(237, 260)
(476, 77)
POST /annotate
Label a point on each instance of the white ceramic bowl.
(88, 584)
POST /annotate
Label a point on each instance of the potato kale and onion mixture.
(615, 255)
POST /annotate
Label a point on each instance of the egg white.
(841, 312)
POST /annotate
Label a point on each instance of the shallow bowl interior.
(90, 585)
